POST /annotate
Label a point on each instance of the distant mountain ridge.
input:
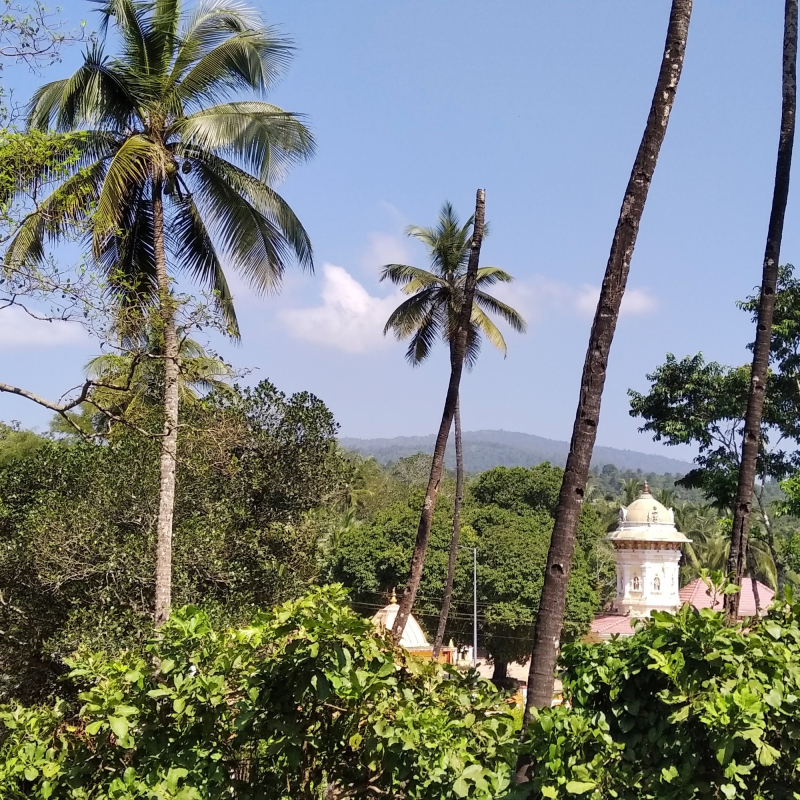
(486, 449)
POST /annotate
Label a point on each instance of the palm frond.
(209, 24)
(488, 276)
(263, 138)
(483, 324)
(129, 19)
(473, 347)
(129, 169)
(511, 316)
(127, 258)
(410, 314)
(424, 337)
(95, 96)
(428, 236)
(193, 250)
(403, 274)
(64, 211)
(163, 36)
(248, 61)
(258, 246)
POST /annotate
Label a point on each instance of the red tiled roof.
(697, 594)
(609, 624)
(694, 593)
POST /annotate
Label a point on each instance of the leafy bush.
(308, 701)
(685, 708)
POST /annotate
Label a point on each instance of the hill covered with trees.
(487, 449)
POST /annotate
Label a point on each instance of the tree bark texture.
(450, 403)
(751, 442)
(754, 585)
(451, 562)
(169, 440)
(550, 615)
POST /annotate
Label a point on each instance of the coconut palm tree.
(751, 440)
(139, 375)
(631, 488)
(550, 614)
(460, 341)
(666, 497)
(432, 313)
(711, 550)
(174, 177)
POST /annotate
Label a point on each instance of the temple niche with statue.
(647, 551)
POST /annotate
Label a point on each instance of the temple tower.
(647, 549)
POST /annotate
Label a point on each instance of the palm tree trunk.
(169, 436)
(761, 349)
(450, 403)
(451, 563)
(780, 570)
(754, 584)
(550, 616)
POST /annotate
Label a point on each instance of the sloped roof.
(607, 625)
(697, 594)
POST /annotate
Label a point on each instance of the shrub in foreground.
(306, 702)
(686, 708)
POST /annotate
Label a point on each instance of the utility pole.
(474, 602)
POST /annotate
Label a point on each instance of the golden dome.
(413, 637)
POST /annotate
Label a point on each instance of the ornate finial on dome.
(393, 598)
(646, 489)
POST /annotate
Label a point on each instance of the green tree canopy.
(517, 488)
(78, 526)
(512, 543)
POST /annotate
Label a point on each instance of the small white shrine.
(413, 637)
(647, 549)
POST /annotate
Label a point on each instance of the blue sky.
(543, 104)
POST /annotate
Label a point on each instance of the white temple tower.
(647, 549)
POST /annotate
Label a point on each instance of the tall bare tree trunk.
(550, 616)
(756, 598)
(169, 440)
(766, 307)
(780, 569)
(450, 404)
(451, 563)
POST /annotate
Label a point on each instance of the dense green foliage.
(694, 402)
(686, 708)
(77, 525)
(306, 701)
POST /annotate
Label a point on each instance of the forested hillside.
(487, 449)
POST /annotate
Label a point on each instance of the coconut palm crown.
(432, 311)
(160, 122)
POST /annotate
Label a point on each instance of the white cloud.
(536, 296)
(20, 331)
(385, 248)
(634, 301)
(349, 319)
